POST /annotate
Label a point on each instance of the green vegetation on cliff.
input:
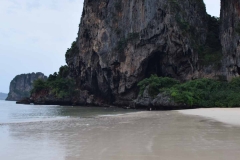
(22, 84)
(71, 51)
(199, 92)
(122, 44)
(58, 84)
(211, 52)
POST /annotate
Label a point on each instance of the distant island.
(21, 85)
(3, 96)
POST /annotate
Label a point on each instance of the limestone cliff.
(230, 37)
(122, 42)
(21, 85)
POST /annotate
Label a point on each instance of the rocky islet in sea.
(21, 85)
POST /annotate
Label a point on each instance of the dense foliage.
(156, 83)
(58, 84)
(199, 92)
(72, 51)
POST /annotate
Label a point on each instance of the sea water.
(10, 112)
(29, 132)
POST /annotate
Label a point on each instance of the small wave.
(111, 115)
(33, 121)
(116, 115)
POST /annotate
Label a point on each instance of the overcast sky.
(35, 34)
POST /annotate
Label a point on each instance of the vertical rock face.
(21, 85)
(230, 37)
(121, 42)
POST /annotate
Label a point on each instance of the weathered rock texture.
(161, 102)
(230, 37)
(122, 42)
(82, 98)
(21, 85)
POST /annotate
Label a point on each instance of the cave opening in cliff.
(154, 64)
(238, 69)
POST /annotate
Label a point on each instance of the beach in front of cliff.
(229, 116)
(68, 133)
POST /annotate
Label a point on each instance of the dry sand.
(225, 115)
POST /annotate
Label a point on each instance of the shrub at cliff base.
(58, 84)
(199, 92)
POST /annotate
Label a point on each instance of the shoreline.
(138, 135)
(229, 116)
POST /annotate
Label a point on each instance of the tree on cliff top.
(58, 84)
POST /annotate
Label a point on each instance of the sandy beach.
(165, 135)
(224, 115)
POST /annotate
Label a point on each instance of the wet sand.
(226, 115)
(142, 136)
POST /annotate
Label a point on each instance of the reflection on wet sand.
(141, 135)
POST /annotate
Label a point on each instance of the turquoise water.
(10, 112)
